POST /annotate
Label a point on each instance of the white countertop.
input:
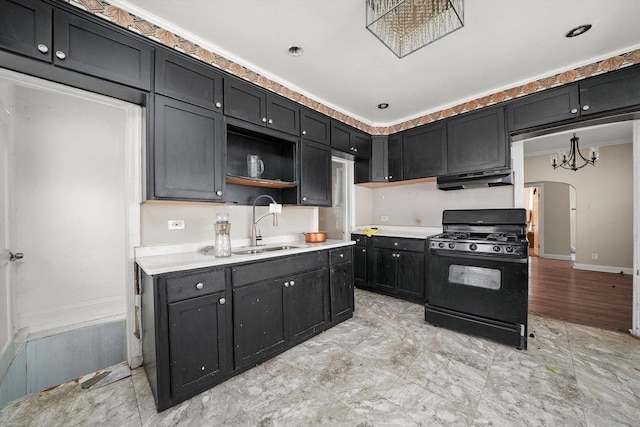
(400, 231)
(180, 261)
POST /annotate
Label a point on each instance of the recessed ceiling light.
(383, 106)
(295, 51)
(578, 30)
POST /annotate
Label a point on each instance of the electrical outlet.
(176, 224)
(384, 218)
(594, 256)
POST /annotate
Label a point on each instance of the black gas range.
(477, 277)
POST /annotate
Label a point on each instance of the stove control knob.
(509, 249)
(496, 248)
(473, 246)
(452, 245)
(441, 244)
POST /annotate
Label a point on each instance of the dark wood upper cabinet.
(81, 45)
(424, 152)
(315, 174)
(187, 151)
(25, 28)
(615, 91)
(315, 126)
(350, 140)
(477, 141)
(395, 158)
(379, 158)
(543, 108)
(186, 80)
(248, 102)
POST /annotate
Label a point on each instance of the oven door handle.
(483, 257)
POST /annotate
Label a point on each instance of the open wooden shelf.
(257, 182)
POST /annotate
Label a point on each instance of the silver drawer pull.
(286, 284)
(199, 285)
(60, 54)
(222, 301)
(293, 283)
(218, 104)
(43, 48)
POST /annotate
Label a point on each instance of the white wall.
(421, 204)
(67, 210)
(604, 210)
(200, 218)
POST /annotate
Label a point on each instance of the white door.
(68, 171)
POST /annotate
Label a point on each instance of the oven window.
(479, 277)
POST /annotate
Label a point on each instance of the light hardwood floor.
(558, 291)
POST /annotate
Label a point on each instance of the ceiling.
(503, 44)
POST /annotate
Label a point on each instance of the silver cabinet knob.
(202, 369)
(304, 199)
(364, 250)
(304, 132)
(585, 107)
(270, 121)
(199, 285)
(222, 301)
(390, 176)
(292, 283)
(218, 104)
(60, 54)
(219, 193)
(43, 48)
(574, 110)
(286, 284)
(264, 120)
(341, 255)
(386, 177)
(395, 243)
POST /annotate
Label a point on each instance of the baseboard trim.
(557, 257)
(603, 268)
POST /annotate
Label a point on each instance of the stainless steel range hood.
(490, 178)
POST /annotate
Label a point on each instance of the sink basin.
(250, 250)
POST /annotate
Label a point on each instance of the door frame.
(133, 192)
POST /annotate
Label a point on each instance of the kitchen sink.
(250, 250)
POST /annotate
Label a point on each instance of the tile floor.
(386, 367)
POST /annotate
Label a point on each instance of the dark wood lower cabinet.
(390, 266)
(201, 327)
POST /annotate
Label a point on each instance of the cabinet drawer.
(360, 239)
(418, 245)
(194, 285)
(339, 255)
(278, 267)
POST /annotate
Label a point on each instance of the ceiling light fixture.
(405, 26)
(295, 51)
(570, 159)
(578, 30)
(383, 105)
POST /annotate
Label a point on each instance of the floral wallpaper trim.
(133, 23)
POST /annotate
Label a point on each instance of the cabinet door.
(395, 158)
(307, 304)
(379, 158)
(245, 101)
(411, 275)
(424, 152)
(340, 136)
(361, 170)
(197, 343)
(361, 144)
(477, 142)
(259, 322)
(188, 81)
(385, 269)
(25, 28)
(341, 291)
(612, 91)
(315, 126)
(360, 265)
(283, 114)
(89, 48)
(543, 108)
(315, 174)
(187, 151)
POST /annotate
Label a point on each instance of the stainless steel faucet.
(254, 221)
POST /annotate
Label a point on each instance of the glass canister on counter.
(223, 236)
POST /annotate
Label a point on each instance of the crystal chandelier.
(405, 26)
(570, 159)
